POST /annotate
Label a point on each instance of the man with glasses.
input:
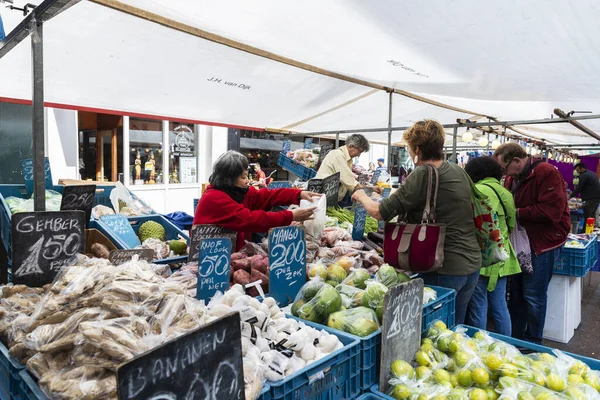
(542, 209)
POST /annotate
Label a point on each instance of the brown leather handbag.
(417, 247)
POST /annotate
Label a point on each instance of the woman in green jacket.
(486, 173)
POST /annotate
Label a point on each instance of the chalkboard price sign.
(375, 177)
(287, 261)
(121, 227)
(27, 172)
(287, 146)
(43, 243)
(315, 185)
(363, 178)
(308, 143)
(331, 189)
(386, 193)
(201, 232)
(358, 227)
(401, 330)
(79, 197)
(280, 185)
(213, 267)
(118, 257)
(203, 364)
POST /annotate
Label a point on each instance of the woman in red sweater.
(231, 204)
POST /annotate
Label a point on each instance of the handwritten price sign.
(79, 197)
(213, 267)
(287, 262)
(43, 243)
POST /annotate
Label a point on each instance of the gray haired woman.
(231, 204)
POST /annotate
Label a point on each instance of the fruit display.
(152, 235)
(344, 217)
(353, 304)
(73, 333)
(305, 157)
(451, 365)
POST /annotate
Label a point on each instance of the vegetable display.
(451, 365)
(343, 215)
(305, 157)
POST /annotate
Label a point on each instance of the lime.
(401, 368)
(555, 382)
(427, 348)
(464, 378)
(491, 394)
(523, 395)
(578, 368)
(422, 358)
(480, 376)
(591, 379)
(441, 376)
(508, 369)
(462, 358)
(422, 372)
(575, 379)
(427, 341)
(493, 362)
(548, 358)
(400, 392)
(539, 378)
(454, 380)
(440, 325)
(455, 345)
(443, 343)
(478, 394)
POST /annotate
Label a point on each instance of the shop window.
(183, 157)
(100, 147)
(146, 151)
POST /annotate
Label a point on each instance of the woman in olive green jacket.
(486, 173)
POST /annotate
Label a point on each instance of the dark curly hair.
(483, 167)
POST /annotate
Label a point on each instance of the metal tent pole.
(389, 152)
(337, 140)
(454, 143)
(37, 68)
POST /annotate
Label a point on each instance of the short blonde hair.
(428, 135)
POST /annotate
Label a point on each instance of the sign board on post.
(121, 227)
(363, 178)
(375, 177)
(308, 143)
(213, 267)
(79, 197)
(401, 329)
(358, 227)
(287, 146)
(331, 189)
(27, 172)
(43, 243)
(287, 261)
(386, 193)
(203, 364)
(118, 257)
(315, 185)
(280, 185)
(201, 232)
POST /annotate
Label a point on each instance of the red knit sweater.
(217, 208)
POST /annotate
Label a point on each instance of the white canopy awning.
(506, 60)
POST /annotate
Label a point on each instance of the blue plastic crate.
(171, 232)
(265, 393)
(10, 377)
(470, 331)
(295, 167)
(340, 371)
(370, 396)
(443, 308)
(28, 388)
(577, 262)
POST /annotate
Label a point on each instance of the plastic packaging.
(325, 302)
(360, 321)
(314, 227)
(357, 278)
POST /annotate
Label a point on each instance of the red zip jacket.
(217, 208)
(542, 207)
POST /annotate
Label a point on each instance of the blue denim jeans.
(495, 301)
(529, 297)
(464, 286)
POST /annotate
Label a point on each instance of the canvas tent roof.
(507, 60)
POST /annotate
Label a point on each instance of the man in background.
(381, 164)
(542, 209)
(589, 189)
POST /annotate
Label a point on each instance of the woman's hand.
(359, 196)
(306, 195)
(303, 214)
(377, 189)
(371, 206)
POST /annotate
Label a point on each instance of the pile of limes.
(453, 366)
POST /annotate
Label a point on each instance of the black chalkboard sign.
(331, 189)
(79, 197)
(118, 257)
(363, 178)
(200, 232)
(287, 261)
(43, 243)
(375, 177)
(329, 186)
(401, 330)
(360, 219)
(203, 364)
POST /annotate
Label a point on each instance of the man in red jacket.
(231, 204)
(542, 209)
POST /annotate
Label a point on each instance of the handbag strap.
(429, 210)
(435, 193)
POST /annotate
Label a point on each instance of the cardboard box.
(95, 236)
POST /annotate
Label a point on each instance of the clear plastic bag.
(358, 278)
(314, 227)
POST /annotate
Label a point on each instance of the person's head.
(380, 161)
(480, 168)
(371, 165)
(230, 170)
(580, 168)
(425, 141)
(512, 158)
(357, 144)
